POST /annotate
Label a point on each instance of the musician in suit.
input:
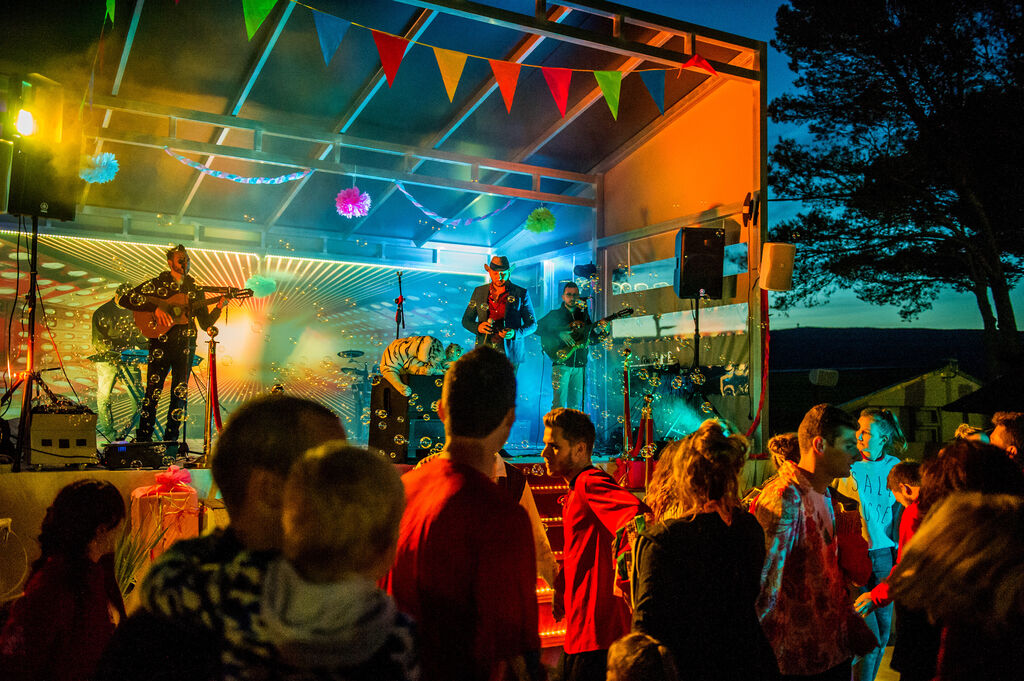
(555, 330)
(114, 330)
(171, 352)
(500, 313)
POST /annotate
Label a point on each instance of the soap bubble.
(425, 442)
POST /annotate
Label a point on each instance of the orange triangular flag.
(558, 83)
(699, 62)
(451, 64)
(391, 49)
(507, 75)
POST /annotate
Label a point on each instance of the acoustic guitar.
(180, 309)
(562, 346)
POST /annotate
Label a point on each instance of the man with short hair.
(500, 313)
(1008, 433)
(595, 510)
(804, 606)
(250, 464)
(465, 567)
(568, 358)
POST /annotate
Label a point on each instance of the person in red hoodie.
(904, 482)
(596, 508)
(60, 627)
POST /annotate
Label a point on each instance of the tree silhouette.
(911, 177)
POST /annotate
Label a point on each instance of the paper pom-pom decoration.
(261, 286)
(99, 168)
(353, 203)
(541, 220)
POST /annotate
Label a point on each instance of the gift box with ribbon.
(165, 512)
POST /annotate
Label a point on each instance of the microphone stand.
(400, 312)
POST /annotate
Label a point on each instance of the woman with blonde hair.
(698, 574)
(881, 444)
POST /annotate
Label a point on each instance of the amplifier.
(62, 440)
(120, 455)
(406, 428)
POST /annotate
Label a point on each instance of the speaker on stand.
(400, 426)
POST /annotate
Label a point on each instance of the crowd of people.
(334, 566)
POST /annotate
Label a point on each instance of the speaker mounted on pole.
(700, 256)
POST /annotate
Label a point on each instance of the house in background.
(918, 402)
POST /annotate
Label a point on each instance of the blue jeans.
(880, 619)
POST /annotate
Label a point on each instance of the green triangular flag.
(110, 10)
(255, 12)
(611, 83)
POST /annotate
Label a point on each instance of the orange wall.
(706, 158)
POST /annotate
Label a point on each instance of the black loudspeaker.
(44, 180)
(400, 424)
(700, 254)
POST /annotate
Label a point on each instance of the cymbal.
(352, 354)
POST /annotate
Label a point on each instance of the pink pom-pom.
(352, 203)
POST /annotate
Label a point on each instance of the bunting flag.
(699, 62)
(506, 73)
(255, 11)
(110, 10)
(451, 64)
(558, 83)
(610, 83)
(391, 49)
(330, 29)
(655, 82)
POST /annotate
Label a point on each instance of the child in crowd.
(638, 657)
(904, 482)
(315, 612)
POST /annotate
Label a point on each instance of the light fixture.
(25, 123)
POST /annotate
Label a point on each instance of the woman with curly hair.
(58, 629)
(698, 574)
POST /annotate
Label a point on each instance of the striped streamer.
(453, 222)
(281, 179)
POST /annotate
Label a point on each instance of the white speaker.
(777, 266)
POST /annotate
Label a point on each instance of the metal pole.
(25, 421)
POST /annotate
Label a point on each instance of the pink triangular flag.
(391, 49)
(451, 64)
(507, 75)
(699, 62)
(558, 83)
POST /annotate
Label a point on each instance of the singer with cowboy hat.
(500, 313)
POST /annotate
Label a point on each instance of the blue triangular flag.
(655, 82)
(331, 30)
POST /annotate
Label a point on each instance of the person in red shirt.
(595, 509)
(465, 567)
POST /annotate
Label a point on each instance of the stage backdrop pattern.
(290, 337)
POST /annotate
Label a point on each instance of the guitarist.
(171, 352)
(556, 332)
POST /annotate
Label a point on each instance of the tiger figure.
(418, 355)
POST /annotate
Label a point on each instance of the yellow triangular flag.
(451, 64)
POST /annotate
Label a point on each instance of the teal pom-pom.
(99, 168)
(541, 220)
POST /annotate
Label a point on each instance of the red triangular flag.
(391, 49)
(699, 62)
(507, 75)
(558, 83)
